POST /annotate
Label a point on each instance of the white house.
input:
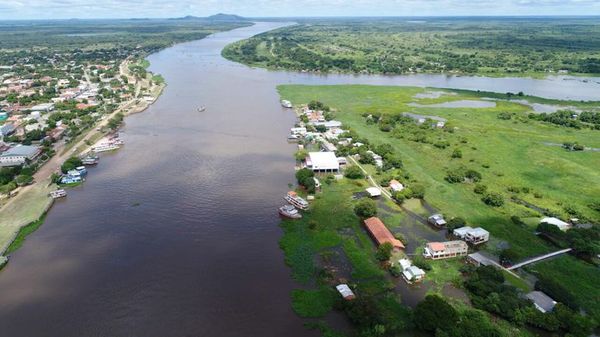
(413, 274)
(444, 250)
(322, 162)
(461, 232)
(477, 236)
(396, 186)
(298, 131)
(563, 226)
(374, 192)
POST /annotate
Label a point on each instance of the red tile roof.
(380, 233)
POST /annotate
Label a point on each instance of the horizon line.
(320, 17)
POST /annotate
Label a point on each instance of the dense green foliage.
(584, 241)
(365, 208)
(70, 164)
(305, 178)
(490, 45)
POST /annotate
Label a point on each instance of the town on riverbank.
(64, 91)
(55, 126)
(380, 231)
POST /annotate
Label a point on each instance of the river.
(176, 234)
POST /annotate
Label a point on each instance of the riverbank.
(508, 153)
(33, 202)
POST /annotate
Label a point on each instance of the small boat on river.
(286, 104)
(90, 160)
(202, 109)
(293, 199)
(289, 211)
(58, 194)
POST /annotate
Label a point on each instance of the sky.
(66, 9)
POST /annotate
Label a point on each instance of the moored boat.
(89, 161)
(286, 104)
(290, 212)
(296, 201)
(58, 194)
(202, 109)
(105, 147)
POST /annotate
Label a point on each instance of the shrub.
(473, 175)
(418, 191)
(421, 262)
(305, 178)
(455, 176)
(434, 313)
(384, 252)
(457, 153)
(354, 172)
(504, 115)
(365, 208)
(70, 164)
(493, 199)
(480, 189)
(456, 222)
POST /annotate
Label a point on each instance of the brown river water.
(176, 234)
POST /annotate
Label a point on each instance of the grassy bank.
(513, 157)
(23, 233)
(24, 209)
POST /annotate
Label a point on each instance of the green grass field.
(508, 153)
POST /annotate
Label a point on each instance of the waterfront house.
(541, 301)
(563, 226)
(328, 124)
(301, 131)
(461, 232)
(345, 291)
(444, 250)
(19, 155)
(322, 162)
(413, 274)
(396, 186)
(437, 220)
(404, 264)
(380, 233)
(477, 236)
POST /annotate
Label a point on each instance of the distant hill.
(214, 18)
(226, 17)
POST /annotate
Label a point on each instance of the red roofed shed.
(380, 233)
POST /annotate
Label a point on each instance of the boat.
(296, 201)
(105, 147)
(289, 211)
(202, 109)
(82, 170)
(286, 104)
(58, 194)
(293, 138)
(89, 161)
